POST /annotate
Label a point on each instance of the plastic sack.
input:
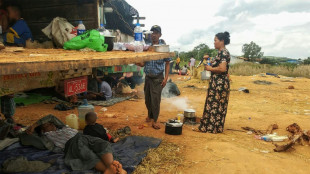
(90, 39)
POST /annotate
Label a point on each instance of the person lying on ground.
(82, 152)
(19, 33)
(96, 130)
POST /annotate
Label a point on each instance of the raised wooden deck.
(44, 60)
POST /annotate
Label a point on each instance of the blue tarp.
(129, 152)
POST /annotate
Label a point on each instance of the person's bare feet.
(119, 167)
(148, 119)
(111, 170)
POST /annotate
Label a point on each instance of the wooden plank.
(10, 84)
(43, 60)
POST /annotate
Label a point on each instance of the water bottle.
(208, 62)
(101, 30)
(83, 110)
(138, 38)
(81, 28)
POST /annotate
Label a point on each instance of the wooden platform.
(44, 60)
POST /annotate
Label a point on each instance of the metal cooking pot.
(189, 113)
(161, 48)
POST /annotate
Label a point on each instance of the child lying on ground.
(19, 33)
(96, 130)
(82, 152)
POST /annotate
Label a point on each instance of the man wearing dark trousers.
(157, 72)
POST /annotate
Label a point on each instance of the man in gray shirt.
(105, 90)
(103, 93)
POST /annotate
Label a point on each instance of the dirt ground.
(231, 151)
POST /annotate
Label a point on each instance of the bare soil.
(231, 151)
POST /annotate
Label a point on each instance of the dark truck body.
(39, 68)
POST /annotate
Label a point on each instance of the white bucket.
(205, 75)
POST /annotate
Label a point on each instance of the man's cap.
(156, 28)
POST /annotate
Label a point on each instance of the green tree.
(252, 51)
(307, 61)
(198, 52)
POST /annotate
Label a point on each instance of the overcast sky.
(280, 27)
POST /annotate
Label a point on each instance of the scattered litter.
(124, 131)
(142, 126)
(287, 80)
(249, 132)
(291, 87)
(111, 115)
(271, 74)
(262, 82)
(190, 86)
(103, 109)
(262, 75)
(64, 107)
(264, 151)
(271, 128)
(298, 135)
(254, 150)
(273, 137)
(244, 89)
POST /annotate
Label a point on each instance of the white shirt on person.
(193, 60)
(61, 136)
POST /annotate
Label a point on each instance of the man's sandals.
(155, 126)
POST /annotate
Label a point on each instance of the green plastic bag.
(90, 39)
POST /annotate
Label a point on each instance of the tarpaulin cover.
(129, 152)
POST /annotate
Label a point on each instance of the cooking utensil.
(162, 48)
(173, 127)
(189, 113)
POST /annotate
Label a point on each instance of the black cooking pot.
(173, 128)
(110, 41)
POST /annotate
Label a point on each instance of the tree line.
(251, 52)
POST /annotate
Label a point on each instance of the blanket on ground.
(129, 152)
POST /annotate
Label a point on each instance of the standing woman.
(215, 108)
